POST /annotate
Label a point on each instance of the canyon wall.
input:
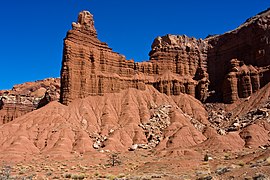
(239, 60)
(233, 65)
(90, 67)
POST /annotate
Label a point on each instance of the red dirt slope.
(110, 122)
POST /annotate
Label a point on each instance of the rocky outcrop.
(245, 112)
(90, 67)
(24, 98)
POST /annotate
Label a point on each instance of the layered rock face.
(24, 98)
(249, 44)
(234, 64)
(90, 67)
(185, 58)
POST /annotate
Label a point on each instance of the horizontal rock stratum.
(90, 67)
(233, 65)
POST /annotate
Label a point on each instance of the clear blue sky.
(32, 31)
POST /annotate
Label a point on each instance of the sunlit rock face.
(185, 58)
(89, 67)
(233, 65)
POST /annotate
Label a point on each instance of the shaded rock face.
(24, 98)
(240, 82)
(249, 43)
(90, 67)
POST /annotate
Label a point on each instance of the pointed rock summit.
(85, 23)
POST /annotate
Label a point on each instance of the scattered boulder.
(159, 121)
(222, 170)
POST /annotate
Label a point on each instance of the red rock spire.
(85, 23)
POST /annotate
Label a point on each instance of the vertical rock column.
(230, 92)
(244, 85)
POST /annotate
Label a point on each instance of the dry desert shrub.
(114, 159)
(5, 172)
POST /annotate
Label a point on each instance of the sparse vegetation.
(110, 177)
(227, 156)
(49, 173)
(241, 163)
(206, 157)
(268, 161)
(222, 170)
(114, 159)
(96, 174)
(121, 175)
(67, 175)
(5, 172)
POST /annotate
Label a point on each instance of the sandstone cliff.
(90, 67)
(185, 59)
(239, 60)
(234, 65)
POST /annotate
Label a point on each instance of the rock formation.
(90, 67)
(185, 59)
(249, 44)
(234, 64)
(241, 81)
(131, 119)
(113, 106)
(24, 98)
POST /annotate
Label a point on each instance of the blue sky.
(32, 31)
